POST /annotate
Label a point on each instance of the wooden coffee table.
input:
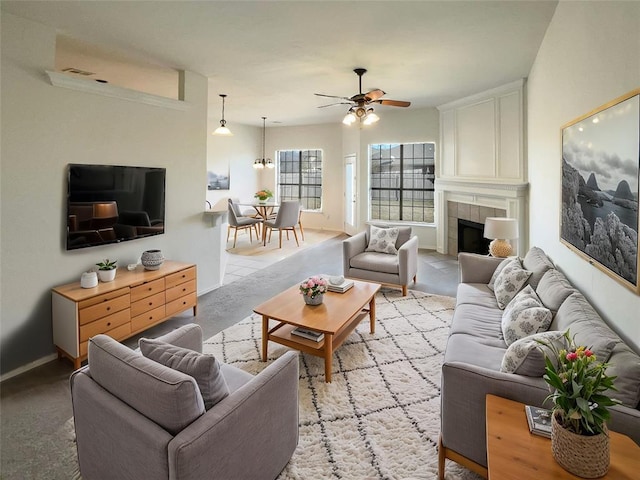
(514, 452)
(336, 317)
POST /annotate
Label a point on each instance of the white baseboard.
(28, 366)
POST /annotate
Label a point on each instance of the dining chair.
(286, 220)
(241, 223)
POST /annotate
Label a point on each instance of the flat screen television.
(113, 203)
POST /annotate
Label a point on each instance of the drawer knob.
(184, 303)
(150, 288)
(184, 289)
(184, 276)
(150, 303)
(151, 318)
(108, 324)
(108, 308)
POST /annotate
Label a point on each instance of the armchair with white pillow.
(382, 254)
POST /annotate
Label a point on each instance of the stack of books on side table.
(539, 420)
(308, 334)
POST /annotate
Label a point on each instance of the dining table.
(263, 209)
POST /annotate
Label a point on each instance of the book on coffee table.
(308, 334)
(337, 283)
(539, 420)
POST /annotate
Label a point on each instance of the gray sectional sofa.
(476, 349)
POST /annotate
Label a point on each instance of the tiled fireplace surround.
(475, 201)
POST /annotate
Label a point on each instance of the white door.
(350, 196)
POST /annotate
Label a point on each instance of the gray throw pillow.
(526, 356)
(509, 282)
(383, 240)
(205, 369)
(524, 316)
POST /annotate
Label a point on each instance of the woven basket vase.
(584, 456)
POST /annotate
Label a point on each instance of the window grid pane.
(402, 182)
(300, 177)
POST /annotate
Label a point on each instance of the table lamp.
(500, 230)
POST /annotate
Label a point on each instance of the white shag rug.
(380, 416)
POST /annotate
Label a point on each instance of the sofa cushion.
(524, 316)
(526, 355)
(475, 294)
(168, 397)
(204, 368)
(553, 289)
(509, 282)
(383, 240)
(377, 262)
(187, 336)
(499, 269)
(537, 262)
(404, 233)
(624, 363)
(479, 322)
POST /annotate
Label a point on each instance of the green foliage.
(107, 265)
(579, 382)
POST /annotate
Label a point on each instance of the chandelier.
(366, 115)
(263, 162)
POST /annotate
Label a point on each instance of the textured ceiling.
(271, 57)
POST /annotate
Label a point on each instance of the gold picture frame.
(600, 188)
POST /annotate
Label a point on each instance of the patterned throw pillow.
(526, 356)
(509, 282)
(383, 240)
(499, 269)
(524, 316)
(205, 369)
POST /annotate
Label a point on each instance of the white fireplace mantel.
(511, 197)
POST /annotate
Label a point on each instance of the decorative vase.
(317, 300)
(582, 455)
(152, 259)
(263, 200)
(89, 279)
(107, 275)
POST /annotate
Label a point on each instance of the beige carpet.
(380, 416)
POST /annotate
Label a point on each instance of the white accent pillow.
(205, 369)
(524, 316)
(499, 268)
(526, 356)
(383, 240)
(509, 282)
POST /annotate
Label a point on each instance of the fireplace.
(471, 238)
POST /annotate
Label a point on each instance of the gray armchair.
(136, 418)
(391, 269)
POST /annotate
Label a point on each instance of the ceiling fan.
(360, 102)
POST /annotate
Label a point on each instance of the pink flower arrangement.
(313, 286)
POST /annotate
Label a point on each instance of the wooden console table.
(133, 302)
(513, 452)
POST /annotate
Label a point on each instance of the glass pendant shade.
(223, 130)
(370, 117)
(349, 118)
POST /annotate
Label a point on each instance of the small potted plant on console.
(107, 270)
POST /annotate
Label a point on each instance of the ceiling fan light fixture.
(223, 130)
(370, 118)
(349, 118)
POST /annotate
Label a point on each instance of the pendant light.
(263, 162)
(222, 130)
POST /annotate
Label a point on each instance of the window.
(300, 177)
(402, 182)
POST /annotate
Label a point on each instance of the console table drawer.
(103, 325)
(104, 308)
(181, 290)
(103, 298)
(180, 277)
(181, 304)
(151, 317)
(118, 333)
(146, 304)
(147, 289)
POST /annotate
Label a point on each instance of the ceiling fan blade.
(330, 96)
(393, 103)
(373, 95)
(332, 104)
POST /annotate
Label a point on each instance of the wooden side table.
(515, 453)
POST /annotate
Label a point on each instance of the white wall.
(44, 128)
(590, 55)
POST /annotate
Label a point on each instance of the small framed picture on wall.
(600, 177)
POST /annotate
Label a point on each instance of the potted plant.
(579, 435)
(263, 195)
(107, 270)
(313, 290)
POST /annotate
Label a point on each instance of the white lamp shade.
(501, 228)
(222, 130)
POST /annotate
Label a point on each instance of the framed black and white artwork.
(217, 181)
(600, 168)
